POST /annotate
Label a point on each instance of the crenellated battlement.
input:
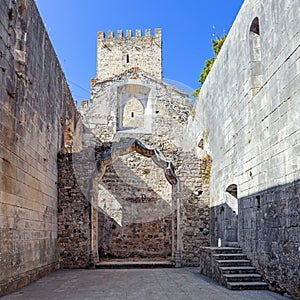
(122, 50)
(129, 33)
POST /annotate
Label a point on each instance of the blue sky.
(187, 33)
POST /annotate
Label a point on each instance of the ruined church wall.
(194, 194)
(73, 215)
(168, 110)
(135, 218)
(250, 126)
(35, 106)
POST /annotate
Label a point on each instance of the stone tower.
(116, 54)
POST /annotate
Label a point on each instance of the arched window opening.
(255, 55)
(201, 144)
(255, 26)
(134, 108)
(133, 113)
(232, 190)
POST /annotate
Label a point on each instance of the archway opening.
(230, 216)
(137, 215)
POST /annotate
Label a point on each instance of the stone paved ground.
(133, 284)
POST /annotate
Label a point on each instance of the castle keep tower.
(116, 54)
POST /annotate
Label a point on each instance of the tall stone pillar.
(94, 255)
(177, 255)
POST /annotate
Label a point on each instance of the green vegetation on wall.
(216, 45)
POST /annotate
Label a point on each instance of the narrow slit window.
(257, 198)
(256, 57)
(127, 58)
(132, 114)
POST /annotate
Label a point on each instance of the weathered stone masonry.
(35, 106)
(131, 101)
(74, 232)
(142, 198)
(250, 127)
(147, 231)
(116, 54)
(237, 161)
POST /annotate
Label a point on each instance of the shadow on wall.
(143, 232)
(134, 220)
(128, 186)
(269, 233)
(225, 219)
(138, 236)
(142, 217)
(225, 227)
(267, 228)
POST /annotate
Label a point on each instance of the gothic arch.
(121, 148)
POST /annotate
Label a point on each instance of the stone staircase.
(230, 267)
(236, 270)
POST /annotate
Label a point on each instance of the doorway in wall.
(136, 206)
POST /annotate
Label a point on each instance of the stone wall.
(136, 203)
(133, 115)
(116, 54)
(35, 106)
(249, 123)
(269, 230)
(163, 104)
(74, 232)
(133, 183)
(195, 209)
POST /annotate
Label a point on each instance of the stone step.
(223, 250)
(238, 270)
(233, 244)
(246, 277)
(230, 256)
(233, 262)
(254, 285)
(134, 265)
